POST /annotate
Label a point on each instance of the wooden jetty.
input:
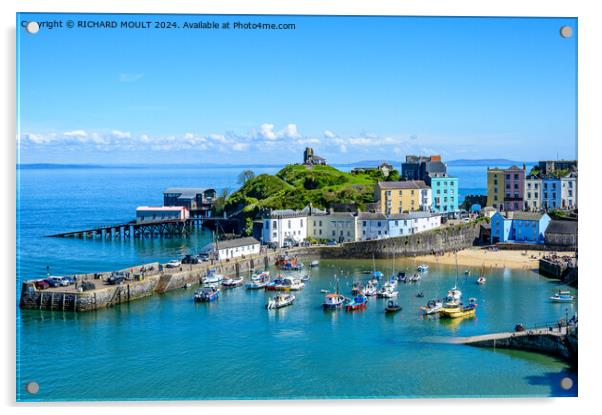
(148, 230)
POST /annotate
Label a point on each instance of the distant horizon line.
(360, 163)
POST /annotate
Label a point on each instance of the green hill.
(295, 186)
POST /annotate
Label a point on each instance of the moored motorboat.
(258, 283)
(422, 268)
(459, 310)
(386, 292)
(562, 297)
(401, 276)
(260, 276)
(206, 294)
(432, 307)
(304, 277)
(232, 282)
(370, 289)
(357, 303)
(280, 301)
(314, 263)
(415, 278)
(212, 277)
(275, 284)
(333, 301)
(481, 280)
(392, 307)
(290, 284)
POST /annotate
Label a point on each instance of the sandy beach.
(477, 257)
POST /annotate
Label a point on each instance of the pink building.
(515, 188)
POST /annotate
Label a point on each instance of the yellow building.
(405, 196)
(495, 188)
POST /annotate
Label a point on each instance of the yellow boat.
(458, 310)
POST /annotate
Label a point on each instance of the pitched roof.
(407, 184)
(187, 190)
(236, 243)
(412, 215)
(532, 216)
(567, 227)
(371, 216)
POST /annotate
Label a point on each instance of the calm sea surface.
(168, 347)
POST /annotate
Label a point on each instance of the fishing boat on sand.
(280, 301)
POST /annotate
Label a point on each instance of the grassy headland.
(295, 186)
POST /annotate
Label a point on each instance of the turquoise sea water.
(168, 347)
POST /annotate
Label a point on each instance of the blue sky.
(353, 88)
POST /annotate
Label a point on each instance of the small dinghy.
(187, 285)
(305, 278)
(481, 280)
(387, 292)
(420, 294)
(280, 301)
(422, 268)
(212, 277)
(392, 307)
(314, 263)
(324, 291)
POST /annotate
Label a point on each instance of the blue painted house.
(551, 192)
(445, 195)
(524, 227)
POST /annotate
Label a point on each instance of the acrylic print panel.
(292, 207)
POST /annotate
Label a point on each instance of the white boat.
(212, 277)
(280, 301)
(432, 307)
(422, 268)
(562, 297)
(259, 283)
(304, 278)
(290, 284)
(481, 280)
(260, 276)
(415, 278)
(386, 292)
(314, 263)
(173, 264)
(370, 289)
(333, 301)
(232, 282)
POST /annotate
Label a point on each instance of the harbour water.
(168, 347)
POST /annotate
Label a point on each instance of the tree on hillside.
(245, 176)
(248, 226)
(220, 202)
(393, 176)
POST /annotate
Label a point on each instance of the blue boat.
(206, 294)
(357, 303)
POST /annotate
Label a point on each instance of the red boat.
(357, 303)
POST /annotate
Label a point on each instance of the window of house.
(289, 223)
(275, 225)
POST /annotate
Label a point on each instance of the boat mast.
(456, 284)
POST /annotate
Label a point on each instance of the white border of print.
(589, 151)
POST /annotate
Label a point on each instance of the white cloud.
(76, 134)
(329, 134)
(121, 134)
(267, 131)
